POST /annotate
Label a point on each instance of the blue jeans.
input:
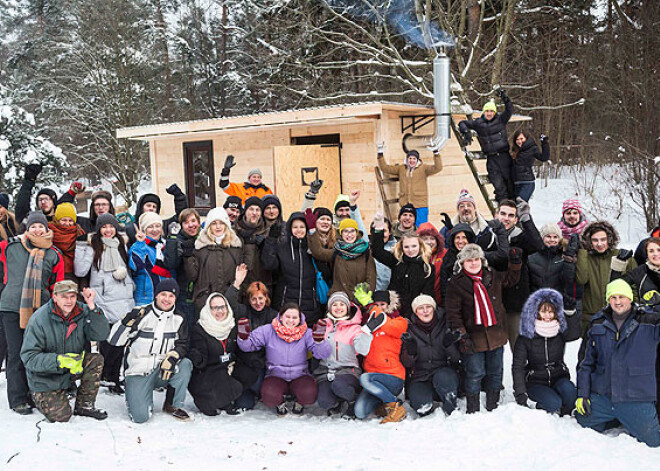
(639, 418)
(551, 399)
(377, 388)
(483, 364)
(422, 216)
(443, 384)
(524, 190)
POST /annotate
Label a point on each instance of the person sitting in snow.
(413, 178)
(616, 378)
(252, 187)
(156, 340)
(55, 353)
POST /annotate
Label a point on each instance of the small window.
(322, 139)
(200, 177)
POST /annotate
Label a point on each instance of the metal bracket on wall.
(306, 170)
(416, 122)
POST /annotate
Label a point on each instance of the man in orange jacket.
(252, 187)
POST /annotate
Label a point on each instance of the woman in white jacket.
(104, 258)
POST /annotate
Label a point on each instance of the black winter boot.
(492, 398)
(473, 403)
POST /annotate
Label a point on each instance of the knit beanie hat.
(422, 300)
(149, 198)
(36, 217)
(571, 204)
(620, 287)
(408, 208)
(167, 284)
(254, 201)
(339, 296)
(233, 202)
(65, 210)
(347, 224)
(149, 218)
(4, 200)
(272, 199)
(342, 201)
(48, 192)
(550, 228)
(104, 219)
(490, 106)
(465, 197)
(412, 153)
(217, 214)
(255, 171)
(468, 252)
(381, 296)
(318, 212)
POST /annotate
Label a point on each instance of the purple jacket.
(283, 359)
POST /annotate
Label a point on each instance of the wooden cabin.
(334, 143)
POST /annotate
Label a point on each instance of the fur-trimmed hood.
(531, 308)
(597, 226)
(394, 304)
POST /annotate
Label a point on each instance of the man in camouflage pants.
(52, 366)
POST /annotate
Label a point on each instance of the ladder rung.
(484, 179)
(475, 155)
(390, 179)
(393, 200)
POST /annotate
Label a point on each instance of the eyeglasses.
(101, 205)
(219, 308)
(43, 199)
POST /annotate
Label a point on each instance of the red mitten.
(318, 333)
(243, 328)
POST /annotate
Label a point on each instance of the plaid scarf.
(351, 251)
(159, 265)
(68, 319)
(484, 314)
(31, 293)
(567, 231)
(289, 334)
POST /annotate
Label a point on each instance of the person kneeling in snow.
(539, 371)
(54, 353)
(156, 339)
(616, 378)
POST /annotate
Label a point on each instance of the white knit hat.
(217, 214)
(550, 228)
(149, 218)
(422, 300)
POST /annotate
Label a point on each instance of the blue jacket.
(620, 364)
(146, 275)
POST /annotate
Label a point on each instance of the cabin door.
(297, 166)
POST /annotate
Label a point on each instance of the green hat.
(618, 287)
(490, 105)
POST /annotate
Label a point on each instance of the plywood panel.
(289, 184)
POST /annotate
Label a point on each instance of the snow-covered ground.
(511, 437)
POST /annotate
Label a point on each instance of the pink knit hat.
(465, 197)
(571, 204)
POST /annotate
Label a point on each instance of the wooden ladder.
(381, 179)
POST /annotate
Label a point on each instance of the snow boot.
(337, 409)
(449, 403)
(349, 413)
(492, 398)
(231, 409)
(22, 409)
(88, 410)
(425, 409)
(116, 389)
(297, 409)
(380, 410)
(473, 403)
(169, 408)
(282, 410)
(395, 412)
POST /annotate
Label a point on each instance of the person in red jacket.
(384, 373)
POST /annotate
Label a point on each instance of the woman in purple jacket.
(287, 341)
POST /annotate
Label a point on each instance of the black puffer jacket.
(409, 277)
(537, 359)
(295, 270)
(642, 280)
(491, 134)
(529, 241)
(548, 269)
(177, 247)
(524, 161)
(431, 353)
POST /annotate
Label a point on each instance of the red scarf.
(64, 238)
(68, 319)
(288, 334)
(484, 314)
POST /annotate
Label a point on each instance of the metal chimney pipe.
(442, 98)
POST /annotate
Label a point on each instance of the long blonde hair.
(424, 252)
(227, 238)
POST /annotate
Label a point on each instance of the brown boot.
(381, 411)
(396, 412)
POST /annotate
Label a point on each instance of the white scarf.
(215, 328)
(547, 329)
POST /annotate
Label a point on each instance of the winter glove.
(465, 344)
(275, 231)
(571, 250)
(446, 220)
(502, 94)
(168, 364)
(543, 138)
(259, 238)
(243, 328)
(409, 343)
(651, 298)
(229, 163)
(315, 186)
(434, 146)
(515, 255)
(363, 294)
(187, 247)
(380, 148)
(318, 332)
(467, 138)
(497, 227)
(76, 188)
(624, 254)
(569, 305)
(451, 337)
(174, 190)
(72, 362)
(133, 318)
(521, 399)
(310, 218)
(174, 228)
(618, 264)
(523, 209)
(32, 171)
(583, 406)
(379, 221)
(376, 320)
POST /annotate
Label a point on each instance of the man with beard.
(405, 226)
(467, 213)
(572, 219)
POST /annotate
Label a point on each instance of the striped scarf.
(484, 314)
(31, 293)
(159, 264)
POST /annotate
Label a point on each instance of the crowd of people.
(244, 306)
